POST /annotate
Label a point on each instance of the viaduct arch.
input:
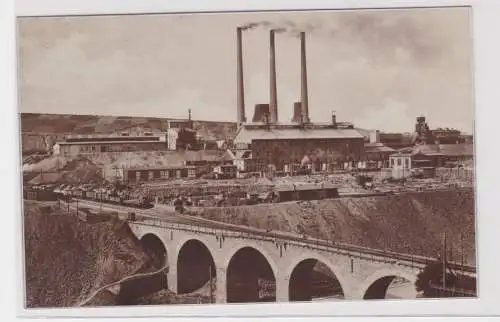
(377, 285)
(196, 255)
(250, 277)
(155, 248)
(312, 276)
(157, 261)
(195, 266)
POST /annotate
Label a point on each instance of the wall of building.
(139, 175)
(401, 166)
(186, 138)
(76, 149)
(172, 139)
(281, 152)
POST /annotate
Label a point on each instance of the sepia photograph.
(247, 157)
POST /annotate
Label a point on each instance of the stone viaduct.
(237, 258)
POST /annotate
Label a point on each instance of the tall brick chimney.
(273, 102)
(303, 77)
(241, 118)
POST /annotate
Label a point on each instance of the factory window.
(178, 173)
(407, 163)
(138, 176)
(151, 175)
(399, 162)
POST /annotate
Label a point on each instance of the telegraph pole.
(100, 199)
(444, 262)
(462, 249)
(210, 283)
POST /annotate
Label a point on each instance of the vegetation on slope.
(407, 223)
(66, 259)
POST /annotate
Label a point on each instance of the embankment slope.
(67, 259)
(406, 223)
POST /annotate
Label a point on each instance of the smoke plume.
(287, 26)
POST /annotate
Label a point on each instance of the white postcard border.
(486, 14)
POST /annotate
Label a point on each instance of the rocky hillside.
(67, 259)
(407, 223)
(40, 131)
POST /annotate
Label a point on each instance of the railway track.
(155, 217)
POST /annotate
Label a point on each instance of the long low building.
(132, 175)
(162, 165)
(124, 142)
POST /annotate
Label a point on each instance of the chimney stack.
(303, 76)
(240, 84)
(297, 112)
(273, 103)
(334, 120)
(261, 113)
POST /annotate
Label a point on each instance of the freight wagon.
(39, 195)
(143, 203)
(306, 192)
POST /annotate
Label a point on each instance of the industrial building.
(74, 145)
(165, 165)
(135, 175)
(284, 145)
(430, 156)
(182, 135)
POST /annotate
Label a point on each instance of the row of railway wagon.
(283, 193)
(114, 199)
(66, 192)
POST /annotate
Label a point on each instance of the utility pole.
(100, 200)
(444, 261)
(210, 283)
(462, 249)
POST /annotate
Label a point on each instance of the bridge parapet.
(284, 241)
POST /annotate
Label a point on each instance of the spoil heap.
(407, 223)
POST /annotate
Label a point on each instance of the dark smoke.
(249, 26)
(287, 26)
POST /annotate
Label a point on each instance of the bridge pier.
(246, 261)
(282, 288)
(221, 288)
(172, 275)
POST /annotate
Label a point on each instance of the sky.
(378, 69)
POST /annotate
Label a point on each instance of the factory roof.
(461, 149)
(166, 167)
(247, 134)
(108, 142)
(377, 148)
(160, 159)
(114, 135)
